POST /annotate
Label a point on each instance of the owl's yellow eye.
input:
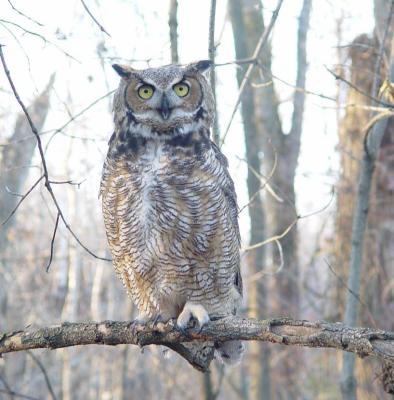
(146, 92)
(181, 89)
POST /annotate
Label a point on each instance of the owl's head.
(165, 100)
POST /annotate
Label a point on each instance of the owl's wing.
(108, 191)
(231, 199)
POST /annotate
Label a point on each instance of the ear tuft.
(123, 70)
(199, 66)
(203, 65)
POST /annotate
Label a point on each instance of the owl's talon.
(155, 321)
(133, 327)
(192, 310)
(184, 332)
(140, 320)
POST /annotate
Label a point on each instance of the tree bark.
(16, 157)
(372, 146)
(173, 24)
(360, 341)
(247, 27)
(363, 56)
(283, 150)
(14, 167)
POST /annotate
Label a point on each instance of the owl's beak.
(165, 109)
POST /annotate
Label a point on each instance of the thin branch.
(260, 274)
(272, 238)
(360, 341)
(344, 284)
(94, 19)
(43, 38)
(68, 182)
(73, 118)
(24, 15)
(44, 372)
(7, 387)
(336, 76)
(16, 394)
(68, 122)
(53, 241)
(42, 156)
(22, 199)
(262, 41)
(265, 181)
(289, 227)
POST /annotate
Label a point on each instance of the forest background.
(294, 132)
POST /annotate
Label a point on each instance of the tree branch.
(94, 19)
(361, 341)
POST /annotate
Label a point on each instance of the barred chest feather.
(170, 211)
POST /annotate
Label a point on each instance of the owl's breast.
(170, 209)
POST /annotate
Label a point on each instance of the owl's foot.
(192, 310)
(143, 319)
(140, 320)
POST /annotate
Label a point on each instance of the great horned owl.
(169, 203)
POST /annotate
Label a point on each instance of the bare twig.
(68, 122)
(68, 182)
(16, 394)
(263, 272)
(262, 41)
(336, 76)
(22, 199)
(221, 371)
(344, 284)
(289, 227)
(44, 372)
(43, 161)
(94, 19)
(361, 341)
(272, 238)
(19, 44)
(43, 38)
(238, 62)
(24, 15)
(265, 184)
(73, 118)
(53, 241)
(7, 387)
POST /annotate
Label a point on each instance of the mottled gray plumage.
(169, 203)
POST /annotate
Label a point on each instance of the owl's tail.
(230, 352)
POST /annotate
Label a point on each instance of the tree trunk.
(247, 27)
(367, 74)
(15, 160)
(173, 24)
(284, 148)
(363, 56)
